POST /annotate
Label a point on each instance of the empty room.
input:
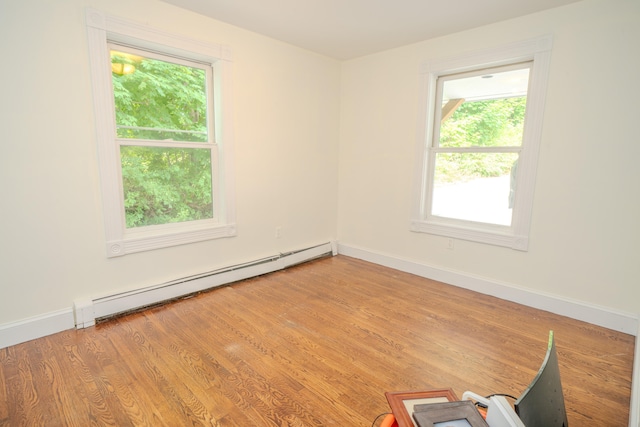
(284, 212)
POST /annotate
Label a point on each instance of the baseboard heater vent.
(89, 311)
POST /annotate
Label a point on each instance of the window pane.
(158, 100)
(475, 186)
(166, 185)
(486, 110)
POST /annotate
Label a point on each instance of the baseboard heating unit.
(89, 311)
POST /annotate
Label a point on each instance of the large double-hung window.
(482, 119)
(163, 136)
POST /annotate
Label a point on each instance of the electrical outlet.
(278, 232)
(449, 243)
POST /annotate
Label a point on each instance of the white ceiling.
(346, 29)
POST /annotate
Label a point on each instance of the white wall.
(286, 105)
(585, 229)
(323, 149)
(303, 124)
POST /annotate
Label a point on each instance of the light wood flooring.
(314, 345)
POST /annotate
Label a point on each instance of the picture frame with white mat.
(402, 403)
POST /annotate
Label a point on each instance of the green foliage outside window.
(166, 185)
(490, 123)
(159, 97)
(162, 102)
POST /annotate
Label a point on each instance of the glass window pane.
(475, 186)
(166, 185)
(158, 100)
(485, 110)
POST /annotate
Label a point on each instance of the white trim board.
(39, 326)
(85, 311)
(36, 327)
(601, 316)
(597, 315)
(88, 311)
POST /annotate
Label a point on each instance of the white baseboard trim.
(601, 316)
(85, 311)
(89, 310)
(35, 327)
(590, 313)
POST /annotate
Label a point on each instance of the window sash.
(478, 206)
(444, 78)
(172, 59)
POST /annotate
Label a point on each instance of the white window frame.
(102, 30)
(515, 236)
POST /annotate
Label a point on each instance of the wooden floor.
(314, 345)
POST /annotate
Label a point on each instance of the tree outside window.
(161, 126)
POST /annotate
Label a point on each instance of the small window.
(163, 134)
(482, 125)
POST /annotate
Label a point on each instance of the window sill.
(500, 236)
(165, 236)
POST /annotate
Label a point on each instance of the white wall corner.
(601, 316)
(84, 313)
(597, 315)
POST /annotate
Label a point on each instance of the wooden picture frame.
(449, 414)
(403, 402)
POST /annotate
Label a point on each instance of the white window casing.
(515, 236)
(102, 30)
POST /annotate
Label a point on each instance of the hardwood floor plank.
(314, 345)
(4, 398)
(163, 371)
(86, 390)
(61, 405)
